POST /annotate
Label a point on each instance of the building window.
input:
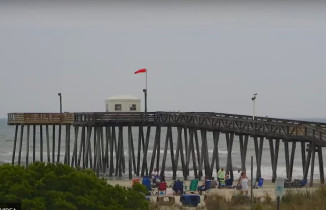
(117, 107)
(132, 107)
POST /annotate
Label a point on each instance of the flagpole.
(145, 93)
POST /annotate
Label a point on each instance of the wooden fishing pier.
(99, 143)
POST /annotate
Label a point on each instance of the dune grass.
(293, 199)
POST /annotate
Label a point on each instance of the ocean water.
(7, 141)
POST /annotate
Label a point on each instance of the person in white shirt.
(155, 175)
(244, 183)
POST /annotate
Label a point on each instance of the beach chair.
(229, 183)
(162, 188)
(205, 188)
(260, 182)
(213, 184)
(147, 183)
(295, 183)
(299, 183)
(135, 180)
(303, 183)
(193, 185)
(190, 200)
(178, 187)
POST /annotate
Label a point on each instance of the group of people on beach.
(157, 177)
(242, 182)
(222, 178)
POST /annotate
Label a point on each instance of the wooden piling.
(59, 144)
(20, 143)
(321, 165)
(287, 161)
(129, 152)
(292, 159)
(200, 172)
(112, 149)
(53, 143)
(34, 139)
(229, 143)
(74, 153)
(47, 142)
(243, 150)
(81, 155)
(41, 143)
(155, 147)
(192, 151)
(313, 151)
(27, 146)
(15, 141)
(215, 156)
(141, 144)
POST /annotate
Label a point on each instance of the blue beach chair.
(178, 187)
(190, 200)
(229, 183)
(205, 188)
(147, 183)
(260, 182)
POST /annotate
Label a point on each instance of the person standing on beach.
(244, 183)
(221, 177)
(154, 175)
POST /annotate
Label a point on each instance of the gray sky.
(200, 55)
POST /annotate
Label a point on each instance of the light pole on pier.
(253, 105)
(59, 94)
(145, 94)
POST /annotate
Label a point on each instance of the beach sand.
(268, 189)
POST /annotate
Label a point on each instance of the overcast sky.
(200, 55)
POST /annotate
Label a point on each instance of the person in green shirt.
(221, 177)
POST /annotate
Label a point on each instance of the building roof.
(122, 97)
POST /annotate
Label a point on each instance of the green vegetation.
(58, 186)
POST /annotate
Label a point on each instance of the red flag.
(141, 71)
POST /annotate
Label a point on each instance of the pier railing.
(40, 118)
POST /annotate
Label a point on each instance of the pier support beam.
(321, 165)
(53, 143)
(274, 156)
(200, 172)
(215, 156)
(27, 145)
(259, 151)
(168, 140)
(20, 143)
(141, 145)
(59, 144)
(41, 143)
(313, 150)
(74, 153)
(292, 160)
(81, 155)
(229, 143)
(34, 139)
(47, 142)
(156, 150)
(179, 151)
(243, 150)
(144, 164)
(15, 141)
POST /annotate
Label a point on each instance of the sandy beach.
(268, 189)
